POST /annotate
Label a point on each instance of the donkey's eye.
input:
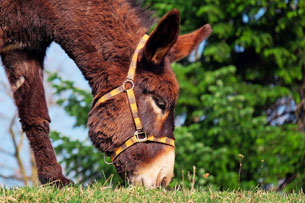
(161, 104)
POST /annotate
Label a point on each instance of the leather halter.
(139, 135)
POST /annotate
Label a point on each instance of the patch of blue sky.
(257, 16)
(239, 49)
(260, 13)
(197, 53)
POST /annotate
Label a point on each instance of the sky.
(56, 60)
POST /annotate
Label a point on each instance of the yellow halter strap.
(139, 135)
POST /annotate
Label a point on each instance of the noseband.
(128, 86)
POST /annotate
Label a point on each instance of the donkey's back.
(34, 24)
(23, 25)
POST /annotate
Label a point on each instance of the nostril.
(157, 173)
(163, 182)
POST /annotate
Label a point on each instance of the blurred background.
(240, 116)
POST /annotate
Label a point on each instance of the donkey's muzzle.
(158, 172)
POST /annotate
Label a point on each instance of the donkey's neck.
(100, 36)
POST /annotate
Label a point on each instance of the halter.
(139, 135)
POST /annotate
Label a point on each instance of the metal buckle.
(143, 139)
(106, 162)
(128, 81)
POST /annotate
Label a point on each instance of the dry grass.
(99, 193)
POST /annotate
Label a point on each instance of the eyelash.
(161, 104)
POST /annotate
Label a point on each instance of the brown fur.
(100, 36)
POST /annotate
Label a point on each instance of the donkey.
(132, 118)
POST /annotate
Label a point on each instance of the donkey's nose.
(158, 172)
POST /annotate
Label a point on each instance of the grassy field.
(100, 193)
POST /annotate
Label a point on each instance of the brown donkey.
(132, 121)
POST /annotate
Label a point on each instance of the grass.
(99, 193)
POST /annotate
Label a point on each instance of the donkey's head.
(142, 149)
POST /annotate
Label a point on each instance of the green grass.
(99, 193)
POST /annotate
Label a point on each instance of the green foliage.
(76, 101)
(221, 124)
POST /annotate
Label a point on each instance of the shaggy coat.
(100, 36)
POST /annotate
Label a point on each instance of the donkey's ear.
(185, 44)
(162, 38)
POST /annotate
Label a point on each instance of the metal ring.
(128, 81)
(106, 162)
(144, 139)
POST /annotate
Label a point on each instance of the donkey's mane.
(133, 20)
(123, 23)
(143, 13)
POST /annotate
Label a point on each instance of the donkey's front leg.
(24, 71)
